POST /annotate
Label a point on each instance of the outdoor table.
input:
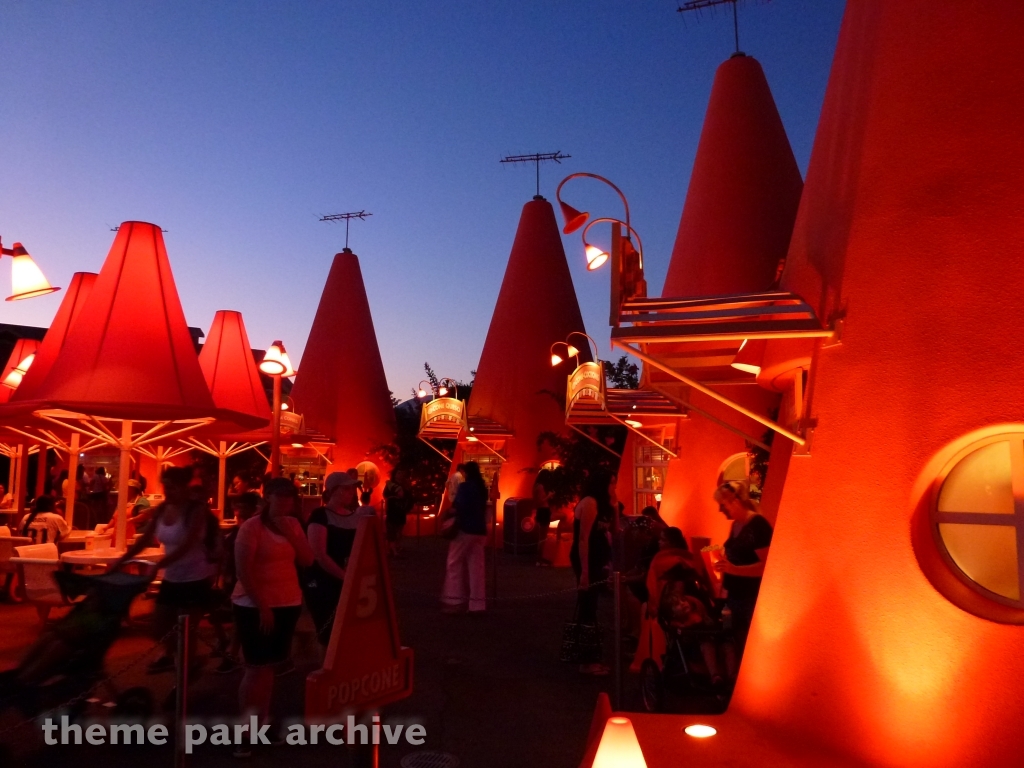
(103, 558)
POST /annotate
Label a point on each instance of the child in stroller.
(695, 640)
(67, 659)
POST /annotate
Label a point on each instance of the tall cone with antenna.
(340, 389)
(516, 385)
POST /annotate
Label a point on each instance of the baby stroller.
(67, 659)
(691, 621)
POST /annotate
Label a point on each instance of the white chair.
(8, 570)
(36, 565)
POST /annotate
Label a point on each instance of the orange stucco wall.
(911, 226)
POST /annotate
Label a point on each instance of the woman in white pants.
(466, 551)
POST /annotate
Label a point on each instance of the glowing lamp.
(573, 352)
(284, 406)
(442, 391)
(595, 257)
(749, 355)
(555, 359)
(573, 219)
(276, 362)
(633, 423)
(700, 731)
(17, 373)
(619, 747)
(421, 393)
(27, 280)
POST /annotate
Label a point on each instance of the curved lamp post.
(627, 262)
(276, 365)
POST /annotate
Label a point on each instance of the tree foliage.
(622, 374)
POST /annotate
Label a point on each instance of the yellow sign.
(444, 415)
(586, 383)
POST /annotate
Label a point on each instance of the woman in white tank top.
(190, 535)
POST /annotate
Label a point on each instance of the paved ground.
(490, 690)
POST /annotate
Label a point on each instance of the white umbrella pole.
(121, 542)
(69, 497)
(222, 468)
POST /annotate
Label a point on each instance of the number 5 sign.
(365, 665)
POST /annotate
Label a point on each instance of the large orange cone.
(910, 228)
(340, 388)
(229, 367)
(128, 354)
(516, 384)
(744, 191)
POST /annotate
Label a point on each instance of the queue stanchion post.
(181, 691)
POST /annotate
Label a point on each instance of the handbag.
(581, 643)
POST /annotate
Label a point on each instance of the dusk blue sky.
(235, 124)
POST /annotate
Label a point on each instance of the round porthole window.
(978, 517)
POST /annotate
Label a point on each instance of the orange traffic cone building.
(517, 391)
(733, 233)
(340, 389)
(889, 622)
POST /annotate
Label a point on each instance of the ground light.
(619, 747)
(699, 731)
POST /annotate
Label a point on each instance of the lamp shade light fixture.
(619, 747)
(27, 280)
(749, 355)
(17, 373)
(573, 352)
(595, 257)
(275, 361)
(442, 391)
(556, 359)
(573, 219)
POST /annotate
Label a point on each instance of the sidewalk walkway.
(489, 689)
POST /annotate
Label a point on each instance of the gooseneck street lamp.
(277, 366)
(627, 262)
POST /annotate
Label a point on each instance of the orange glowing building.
(733, 233)
(888, 629)
(340, 389)
(517, 394)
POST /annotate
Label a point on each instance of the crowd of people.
(256, 577)
(668, 585)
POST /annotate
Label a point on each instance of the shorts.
(186, 595)
(260, 649)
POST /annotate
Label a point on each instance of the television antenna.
(696, 6)
(118, 227)
(537, 158)
(347, 218)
